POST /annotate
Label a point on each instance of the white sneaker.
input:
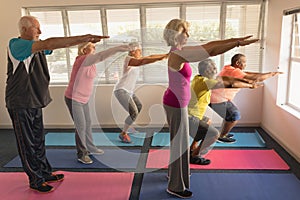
(96, 152)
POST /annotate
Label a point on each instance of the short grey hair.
(25, 21)
(204, 65)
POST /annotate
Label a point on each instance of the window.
(154, 43)
(288, 93)
(52, 25)
(205, 26)
(123, 27)
(244, 20)
(208, 23)
(145, 23)
(83, 22)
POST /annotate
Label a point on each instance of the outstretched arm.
(230, 82)
(146, 60)
(221, 46)
(259, 77)
(102, 55)
(63, 42)
(201, 52)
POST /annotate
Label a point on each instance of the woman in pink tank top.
(177, 96)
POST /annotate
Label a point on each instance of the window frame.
(142, 10)
(285, 63)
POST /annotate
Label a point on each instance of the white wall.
(281, 125)
(56, 114)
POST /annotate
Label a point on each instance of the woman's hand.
(124, 47)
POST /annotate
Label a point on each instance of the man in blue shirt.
(27, 92)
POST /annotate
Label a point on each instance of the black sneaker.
(185, 194)
(229, 135)
(54, 178)
(226, 140)
(44, 188)
(199, 160)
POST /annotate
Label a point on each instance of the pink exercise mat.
(225, 159)
(75, 186)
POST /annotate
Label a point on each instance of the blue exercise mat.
(67, 158)
(242, 140)
(100, 139)
(227, 186)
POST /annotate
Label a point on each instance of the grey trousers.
(80, 114)
(130, 103)
(200, 130)
(179, 169)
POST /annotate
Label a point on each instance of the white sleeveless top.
(129, 77)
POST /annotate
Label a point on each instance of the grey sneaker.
(96, 152)
(85, 160)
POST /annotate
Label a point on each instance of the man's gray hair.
(25, 21)
(204, 65)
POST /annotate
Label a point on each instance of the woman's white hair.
(173, 28)
(25, 22)
(134, 46)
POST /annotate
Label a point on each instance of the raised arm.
(259, 77)
(221, 46)
(146, 60)
(102, 55)
(230, 82)
(63, 42)
(201, 52)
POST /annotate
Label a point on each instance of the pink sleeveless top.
(178, 93)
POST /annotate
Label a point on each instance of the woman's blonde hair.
(173, 28)
(81, 47)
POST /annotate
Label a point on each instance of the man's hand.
(246, 42)
(95, 38)
(256, 85)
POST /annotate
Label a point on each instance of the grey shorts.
(227, 110)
